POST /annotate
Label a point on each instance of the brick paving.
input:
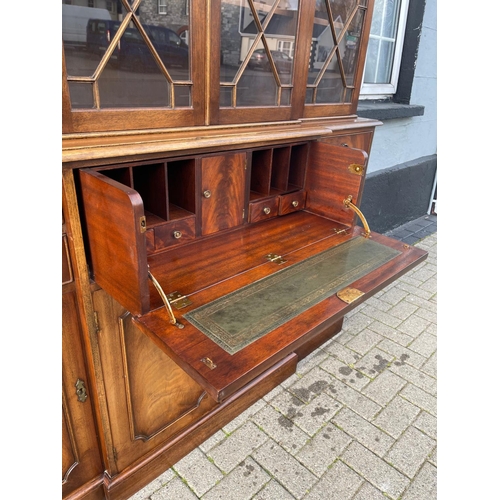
(357, 421)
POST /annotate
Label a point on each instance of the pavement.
(357, 421)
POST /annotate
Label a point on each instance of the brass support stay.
(165, 301)
(349, 204)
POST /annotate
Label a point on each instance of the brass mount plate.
(178, 300)
(277, 259)
(209, 363)
(357, 169)
(349, 295)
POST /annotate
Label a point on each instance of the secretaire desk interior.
(211, 233)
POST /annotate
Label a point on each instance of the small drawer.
(264, 209)
(292, 202)
(174, 233)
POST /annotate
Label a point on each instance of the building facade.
(403, 159)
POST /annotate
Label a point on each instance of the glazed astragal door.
(127, 65)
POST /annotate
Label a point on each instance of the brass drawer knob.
(177, 234)
(207, 193)
(267, 210)
(295, 203)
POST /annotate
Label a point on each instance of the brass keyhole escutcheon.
(207, 193)
(295, 203)
(81, 391)
(177, 234)
(267, 210)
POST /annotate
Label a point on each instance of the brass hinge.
(277, 259)
(115, 454)
(142, 223)
(178, 300)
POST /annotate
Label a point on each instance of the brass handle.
(267, 210)
(177, 234)
(295, 203)
(207, 193)
(349, 204)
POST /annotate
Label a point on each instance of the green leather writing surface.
(239, 318)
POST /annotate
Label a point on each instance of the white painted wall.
(402, 140)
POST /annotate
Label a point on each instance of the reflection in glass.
(334, 50)
(257, 52)
(81, 95)
(125, 57)
(131, 91)
(351, 54)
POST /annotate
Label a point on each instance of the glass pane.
(352, 40)
(390, 18)
(182, 96)
(330, 89)
(286, 95)
(260, 90)
(104, 48)
(309, 96)
(341, 10)
(336, 35)
(381, 46)
(257, 52)
(379, 61)
(225, 96)
(81, 95)
(133, 87)
(371, 61)
(385, 62)
(378, 14)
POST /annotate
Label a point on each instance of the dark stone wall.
(397, 195)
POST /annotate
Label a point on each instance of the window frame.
(162, 7)
(388, 90)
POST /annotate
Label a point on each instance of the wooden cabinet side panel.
(81, 461)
